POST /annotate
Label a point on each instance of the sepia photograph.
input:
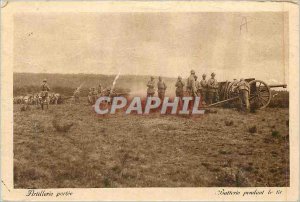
(160, 99)
(64, 62)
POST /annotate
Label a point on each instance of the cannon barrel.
(278, 86)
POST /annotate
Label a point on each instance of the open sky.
(233, 45)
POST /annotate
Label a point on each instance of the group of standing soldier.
(161, 88)
(94, 93)
(206, 89)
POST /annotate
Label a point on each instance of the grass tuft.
(231, 179)
(61, 127)
(229, 123)
(252, 129)
(275, 133)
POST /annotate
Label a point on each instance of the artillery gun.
(115, 92)
(260, 93)
(108, 92)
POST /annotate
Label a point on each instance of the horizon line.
(146, 75)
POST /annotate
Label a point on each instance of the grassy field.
(226, 148)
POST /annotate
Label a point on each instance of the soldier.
(212, 86)
(99, 90)
(44, 93)
(90, 96)
(179, 87)
(45, 87)
(234, 85)
(244, 90)
(76, 95)
(94, 95)
(197, 84)
(191, 85)
(151, 87)
(203, 89)
(161, 88)
(36, 99)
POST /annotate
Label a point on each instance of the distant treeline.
(31, 89)
(65, 84)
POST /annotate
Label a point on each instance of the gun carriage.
(260, 93)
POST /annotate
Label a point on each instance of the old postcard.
(149, 101)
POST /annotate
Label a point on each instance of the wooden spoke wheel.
(231, 93)
(260, 94)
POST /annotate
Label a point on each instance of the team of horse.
(41, 99)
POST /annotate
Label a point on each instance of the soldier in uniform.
(197, 84)
(179, 87)
(35, 99)
(203, 89)
(44, 92)
(90, 91)
(191, 85)
(45, 87)
(76, 95)
(151, 87)
(234, 85)
(244, 90)
(94, 95)
(161, 88)
(99, 90)
(90, 96)
(212, 86)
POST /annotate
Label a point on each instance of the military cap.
(45, 80)
(192, 71)
(179, 77)
(203, 74)
(213, 74)
(152, 77)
